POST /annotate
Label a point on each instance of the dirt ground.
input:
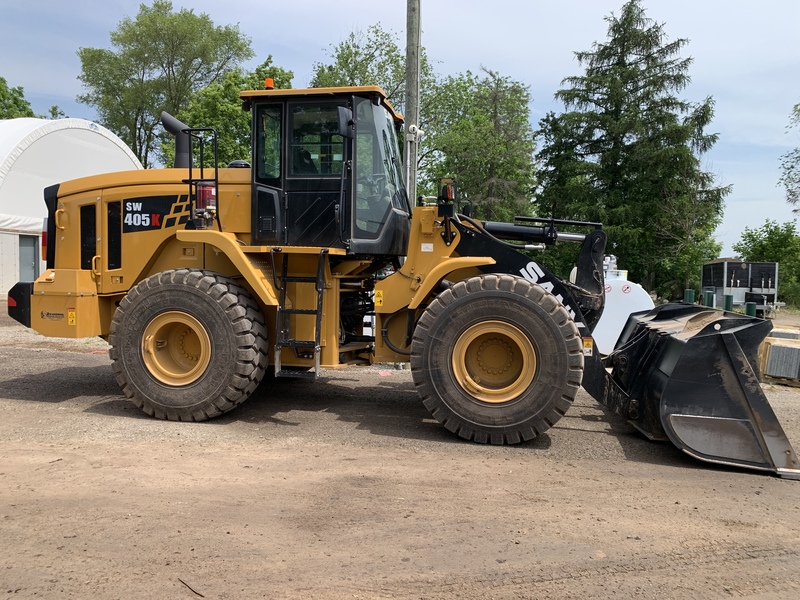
(346, 488)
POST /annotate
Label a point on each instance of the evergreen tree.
(627, 153)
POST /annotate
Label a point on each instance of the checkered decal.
(180, 212)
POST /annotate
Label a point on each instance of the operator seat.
(303, 163)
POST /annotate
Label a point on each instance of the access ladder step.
(298, 311)
(283, 325)
(312, 344)
(297, 374)
(298, 279)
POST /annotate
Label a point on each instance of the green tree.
(444, 103)
(780, 243)
(480, 132)
(376, 58)
(790, 165)
(371, 58)
(159, 60)
(13, 103)
(56, 113)
(475, 128)
(218, 106)
(627, 153)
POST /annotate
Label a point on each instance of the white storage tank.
(623, 297)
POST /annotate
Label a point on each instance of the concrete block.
(780, 358)
(784, 333)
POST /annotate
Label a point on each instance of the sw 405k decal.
(154, 212)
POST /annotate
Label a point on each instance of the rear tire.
(188, 345)
(497, 359)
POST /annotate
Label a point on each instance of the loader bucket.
(689, 374)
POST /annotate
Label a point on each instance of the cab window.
(268, 145)
(316, 147)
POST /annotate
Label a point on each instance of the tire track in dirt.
(713, 571)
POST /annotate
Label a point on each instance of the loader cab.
(327, 170)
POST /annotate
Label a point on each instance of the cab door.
(313, 177)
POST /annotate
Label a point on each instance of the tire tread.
(242, 313)
(445, 414)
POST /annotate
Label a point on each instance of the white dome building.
(36, 153)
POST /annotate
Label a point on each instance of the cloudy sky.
(746, 57)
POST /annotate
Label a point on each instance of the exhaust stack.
(183, 156)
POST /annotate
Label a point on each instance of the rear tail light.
(44, 243)
(206, 196)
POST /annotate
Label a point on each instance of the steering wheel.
(372, 180)
(375, 183)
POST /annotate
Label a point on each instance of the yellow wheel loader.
(312, 257)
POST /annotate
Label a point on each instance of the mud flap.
(19, 302)
(689, 374)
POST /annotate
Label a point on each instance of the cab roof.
(359, 90)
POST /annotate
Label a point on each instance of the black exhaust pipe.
(183, 155)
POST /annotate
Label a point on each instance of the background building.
(745, 281)
(36, 153)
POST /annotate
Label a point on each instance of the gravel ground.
(346, 488)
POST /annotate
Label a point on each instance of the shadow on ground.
(383, 406)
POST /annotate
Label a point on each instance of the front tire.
(188, 345)
(497, 358)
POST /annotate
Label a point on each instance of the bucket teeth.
(689, 374)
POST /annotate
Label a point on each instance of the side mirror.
(345, 120)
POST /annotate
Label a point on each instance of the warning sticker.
(588, 346)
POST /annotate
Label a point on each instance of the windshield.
(378, 169)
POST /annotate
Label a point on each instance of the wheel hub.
(495, 356)
(176, 348)
(494, 361)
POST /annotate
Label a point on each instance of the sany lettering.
(533, 272)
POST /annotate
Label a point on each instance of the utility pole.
(412, 96)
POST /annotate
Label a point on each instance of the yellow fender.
(227, 243)
(402, 290)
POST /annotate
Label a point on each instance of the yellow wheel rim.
(494, 361)
(176, 348)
